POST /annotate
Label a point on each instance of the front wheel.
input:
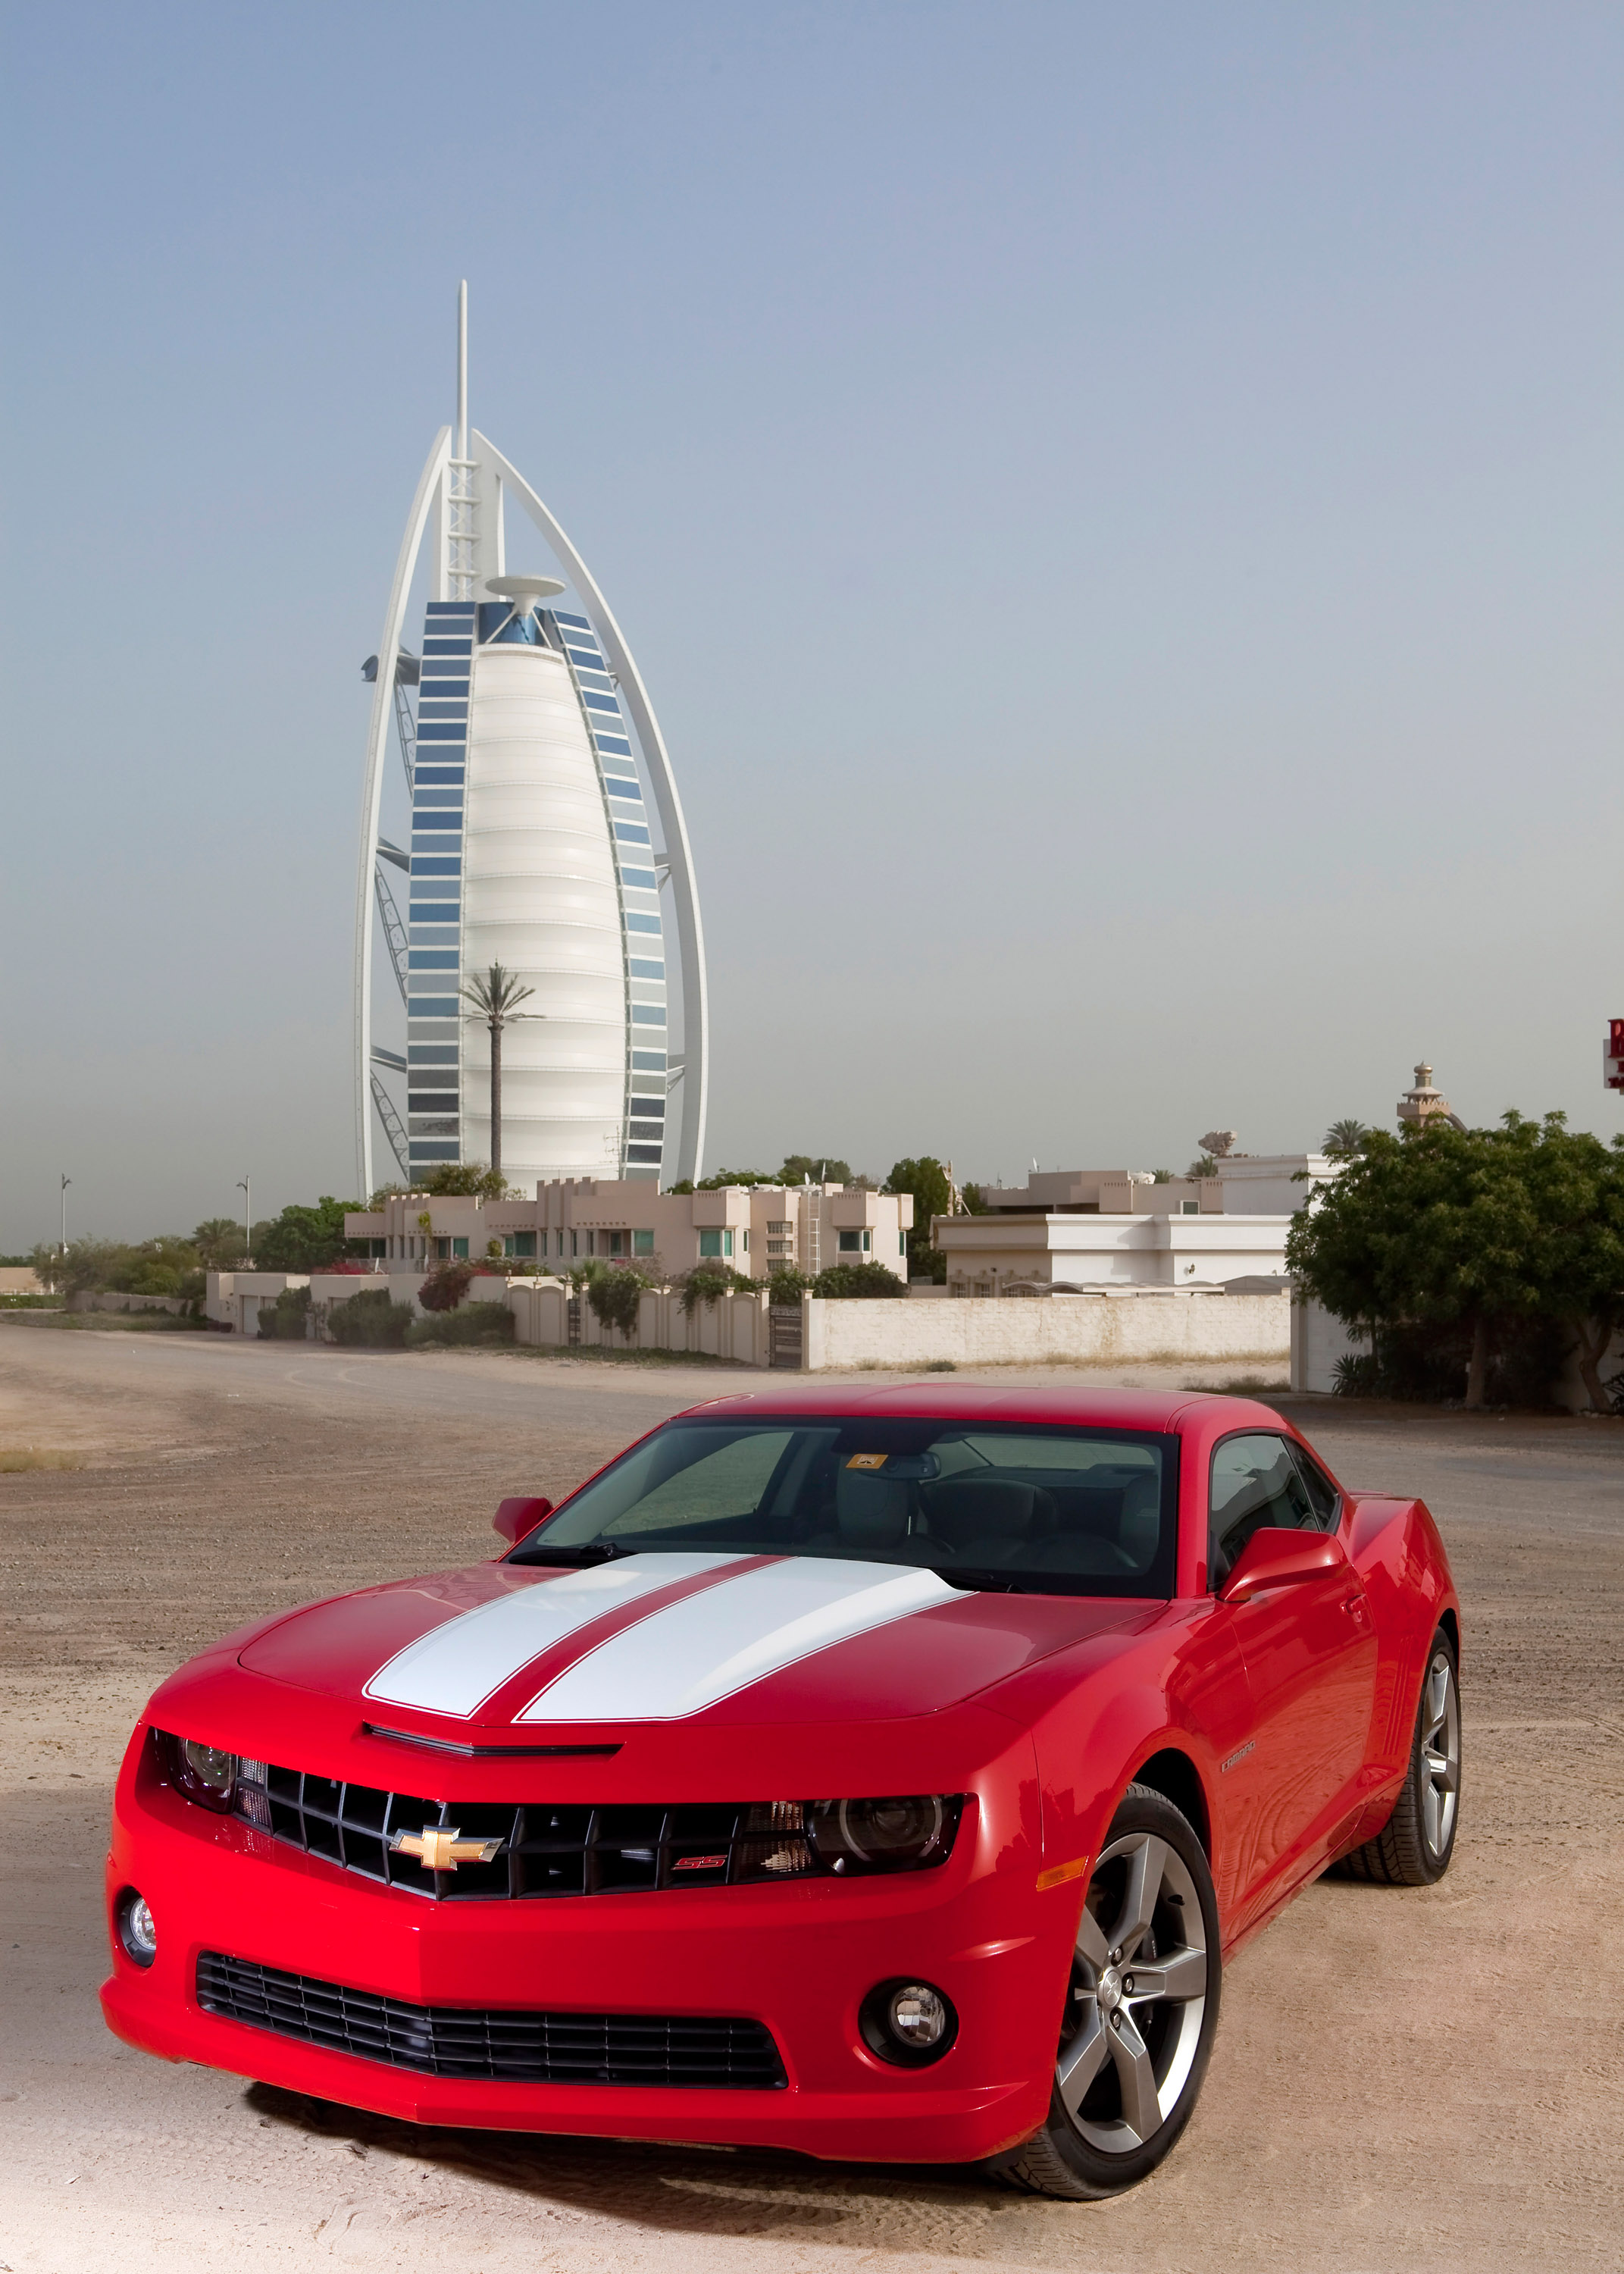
(1140, 2014)
(1413, 1845)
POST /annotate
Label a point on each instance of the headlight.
(203, 1773)
(795, 1838)
(882, 1836)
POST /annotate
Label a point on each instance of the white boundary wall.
(1084, 1330)
(1079, 1330)
(1317, 1341)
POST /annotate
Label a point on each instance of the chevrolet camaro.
(882, 1774)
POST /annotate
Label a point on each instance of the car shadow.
(671, 2188)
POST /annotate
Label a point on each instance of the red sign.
(1612, 1054)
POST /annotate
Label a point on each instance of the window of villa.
(642, 1243)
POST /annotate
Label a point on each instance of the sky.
(1118, 511)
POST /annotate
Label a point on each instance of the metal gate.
(784, 1335)
(572, 1316)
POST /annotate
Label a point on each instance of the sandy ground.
(1423, 2079)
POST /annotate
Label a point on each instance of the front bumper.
(799, 1958)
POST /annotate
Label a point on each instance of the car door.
(1310, 1656)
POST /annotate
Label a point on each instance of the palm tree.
(495, 995)
(1344, 1139)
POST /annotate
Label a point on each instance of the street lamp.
(66, 1181)
(245, 1185)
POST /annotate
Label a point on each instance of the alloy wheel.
(1441, 1753)
(1138, 1993)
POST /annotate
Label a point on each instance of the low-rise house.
(756, 1229)
(1106, 1231)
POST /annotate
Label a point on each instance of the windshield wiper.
(994, 1579)
(585, 1553)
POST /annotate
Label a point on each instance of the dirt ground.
(1425, 2078)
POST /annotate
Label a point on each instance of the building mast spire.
(462, 417)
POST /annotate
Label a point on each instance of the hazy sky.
(1118, 509)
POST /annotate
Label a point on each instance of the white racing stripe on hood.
(455, 1667)
(685, 1657)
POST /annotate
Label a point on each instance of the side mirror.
(1276, 1557)
(513, 1518)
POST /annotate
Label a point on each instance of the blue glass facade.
(434, 1021)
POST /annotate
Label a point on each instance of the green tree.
(219, 1242)
(1576, 1183)
(1436, 1225)
(1344, 1139)
(931, 1189)
(496, 996)
(303, 1238)
(798, 1168)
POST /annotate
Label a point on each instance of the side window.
(1321, 1491)
(1256, 1487)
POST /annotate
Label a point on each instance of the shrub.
(284, 1320)
(615, 1296)
(371, 1320)
(478, 1323)
(445, 1287)
(786, 1286)
(708, 1282)
(845, 1280)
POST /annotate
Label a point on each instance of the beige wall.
(757, 1228)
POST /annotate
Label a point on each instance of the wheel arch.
(1174, 1774)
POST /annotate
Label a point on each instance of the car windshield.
(1045, 1510)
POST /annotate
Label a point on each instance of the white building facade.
(546, 834)
(1097, 1230)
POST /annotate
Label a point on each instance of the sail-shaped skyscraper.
(546, 835)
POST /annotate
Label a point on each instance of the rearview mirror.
(1277, 1557)
(515, 1517)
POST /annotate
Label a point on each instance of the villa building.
(1081, 1232)
(757, 1229)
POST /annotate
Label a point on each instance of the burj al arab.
(544, 832)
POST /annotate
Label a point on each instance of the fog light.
(137, 1929)
(908, 2023)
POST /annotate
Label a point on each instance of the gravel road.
(1419, 2079)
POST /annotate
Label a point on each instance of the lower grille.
(499, 2044)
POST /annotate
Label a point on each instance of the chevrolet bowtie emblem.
(441, 1848)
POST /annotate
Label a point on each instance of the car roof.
(950, 1401)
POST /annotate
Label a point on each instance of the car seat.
(988, 1519)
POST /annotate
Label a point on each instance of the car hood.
(663, 1639)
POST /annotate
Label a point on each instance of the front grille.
(497, 2044)
(546, 1849)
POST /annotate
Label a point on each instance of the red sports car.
(880, 1773)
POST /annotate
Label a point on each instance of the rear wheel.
(1413, 1845)
(1141, 2011)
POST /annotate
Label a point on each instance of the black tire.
(1073, 2153)
(1413, 1845)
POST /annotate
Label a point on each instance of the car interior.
(1095, 1506)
